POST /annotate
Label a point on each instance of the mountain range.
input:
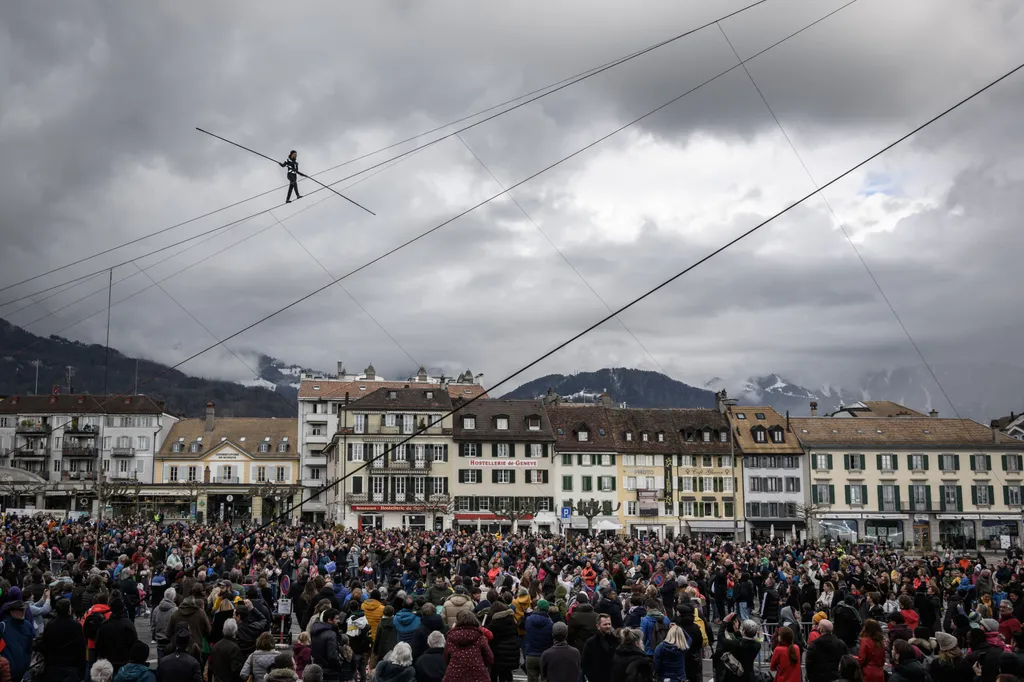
(980, 390)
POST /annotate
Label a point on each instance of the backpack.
(658, 633)
(91, 624)
(640, 669)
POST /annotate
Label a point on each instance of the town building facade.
(230, 469)
(502, 475)
(61, 442)
(772, 470)
(320, 402)
(391, 459)
(920, 481)
(707, 482)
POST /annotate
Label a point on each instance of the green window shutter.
(896, 490)
(579, 460)
(1020, 462)
(1003, 457)
(613, 482)
(959, 498)
(613, 460)
(829, 461)
(910, 461)
(991, 495)
(928, 498)
(895, 462)
(988, 462)
(846, 488)
(814, 494)
(942, 499)
(926, 462)
(512, 450)
(956, 462)
(846, 462)
(700, 484)
(494, 449)
(716, 510)
(878, 462)
(974, 494)
(972, 462)
(864, 495)
(831, 494)
(1006, 495)
(544, 450)
(863, 462)
(880, 498)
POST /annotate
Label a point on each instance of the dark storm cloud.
(98, 105)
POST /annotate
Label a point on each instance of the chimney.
(787, 421)
(210, 419)
(934, 413)
(605, 399)
(994, 424)
(341, 369)
(346, 397)
(814, 408)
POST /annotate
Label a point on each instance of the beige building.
(227, 468)
(395, 467)
(924, 481)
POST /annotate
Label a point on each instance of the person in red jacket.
(99, 608)
(871, 654)
(785, 662)
(1008, 623)
(910, 616)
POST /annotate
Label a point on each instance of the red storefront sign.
(388, 507)
(487, 516)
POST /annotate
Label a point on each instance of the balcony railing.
(30, 453)
(395, 498)
(123, 452)
(226, 480)
(86, 430)
(401, 465)
(79, 452)
(357, 498)
(78, 476)
(32, 427)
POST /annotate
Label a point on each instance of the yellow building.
(228, 468)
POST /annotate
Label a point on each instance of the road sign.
(286, 585)
(284, 607)
(566, 513)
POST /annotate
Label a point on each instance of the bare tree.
(808, 513)
(192, 490)
(441, 504)
(11, 488)
(517, 511)
(273, 492)
(589, 509)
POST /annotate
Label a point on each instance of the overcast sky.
(99, 101)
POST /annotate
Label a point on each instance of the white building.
(321, 399)
(64, 438)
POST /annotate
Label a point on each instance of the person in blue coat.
(18, 634)
(538, 638)
(651, 625)
(670, 656)
(406, 622)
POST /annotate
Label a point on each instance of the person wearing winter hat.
(136, 669)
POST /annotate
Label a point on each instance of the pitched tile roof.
(640, 421)
(245, 433)
(423, 397)
(887, 408)
(906, 432)
(332, 389)
(486, 413)
(567, 418)
(698, 419)
(742, 431)
(80, 404)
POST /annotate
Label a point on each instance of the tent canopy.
(605, 524)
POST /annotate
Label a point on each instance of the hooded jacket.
(582, 626)
(135, 672)
(258, 663)
(115, 638)
(192, 613)
(281, 675)
(647, 628)
(249, 631)
(159, 618)
(386, 637)
(453, 606)
(406, 623)
(505, 641)
(374, 611)
(467, 655)
(613, 609)
(428, 624)
(18, 635)
(538, 634)
(522, 605)
(669, 662)
(325, 651)
(386, 671)
(301, 655)
(909, 671)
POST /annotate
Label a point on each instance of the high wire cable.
(186, 268)
(860, 257)
(559, 251)
(571, 80)
(253, 151)
(488, 200)
(639, 299)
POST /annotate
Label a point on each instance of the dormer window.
(282, 447)
(689, 436)
(501, 423)
(194, 447)
(706, 435)
(723, 436)
(176, 447)
(760, 435)
(583, 435)
(644, 436)
(430, 395)
(533, 423)
(629, 435)
(777, 436)
(392, 395)
(469, 423)
(264, 447)
(661, 437)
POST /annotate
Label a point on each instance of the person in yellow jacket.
(373, 609)
(522, 603)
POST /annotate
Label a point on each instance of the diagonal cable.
(559, 252)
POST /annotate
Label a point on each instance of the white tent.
(605, 524)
